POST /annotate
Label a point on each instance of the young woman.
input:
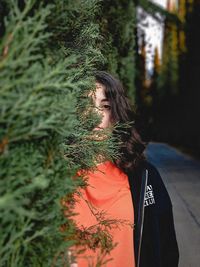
(129, 190)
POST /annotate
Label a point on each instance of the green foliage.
(42, 74)
(48, 53)
(117, 28)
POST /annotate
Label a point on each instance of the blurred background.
(167, 89)
(167, 98)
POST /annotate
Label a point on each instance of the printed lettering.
(149, 196)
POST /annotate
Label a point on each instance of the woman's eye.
(103, 107)
(106, 106)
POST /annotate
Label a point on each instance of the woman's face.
(103, 107)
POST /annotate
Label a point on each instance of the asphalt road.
(181, 175)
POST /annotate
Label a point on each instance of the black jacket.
(158, 241)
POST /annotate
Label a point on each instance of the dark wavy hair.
(132, 146)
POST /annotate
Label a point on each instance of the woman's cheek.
(105, 120)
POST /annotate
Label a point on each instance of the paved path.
(181, 175)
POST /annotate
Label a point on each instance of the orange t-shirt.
(108, 190)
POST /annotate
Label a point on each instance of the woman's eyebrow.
(104, 100)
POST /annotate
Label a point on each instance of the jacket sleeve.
(168, 244)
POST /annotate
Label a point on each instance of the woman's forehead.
(99, 92)
(99, 86)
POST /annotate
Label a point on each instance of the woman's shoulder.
(153, 172)
(150, 167)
